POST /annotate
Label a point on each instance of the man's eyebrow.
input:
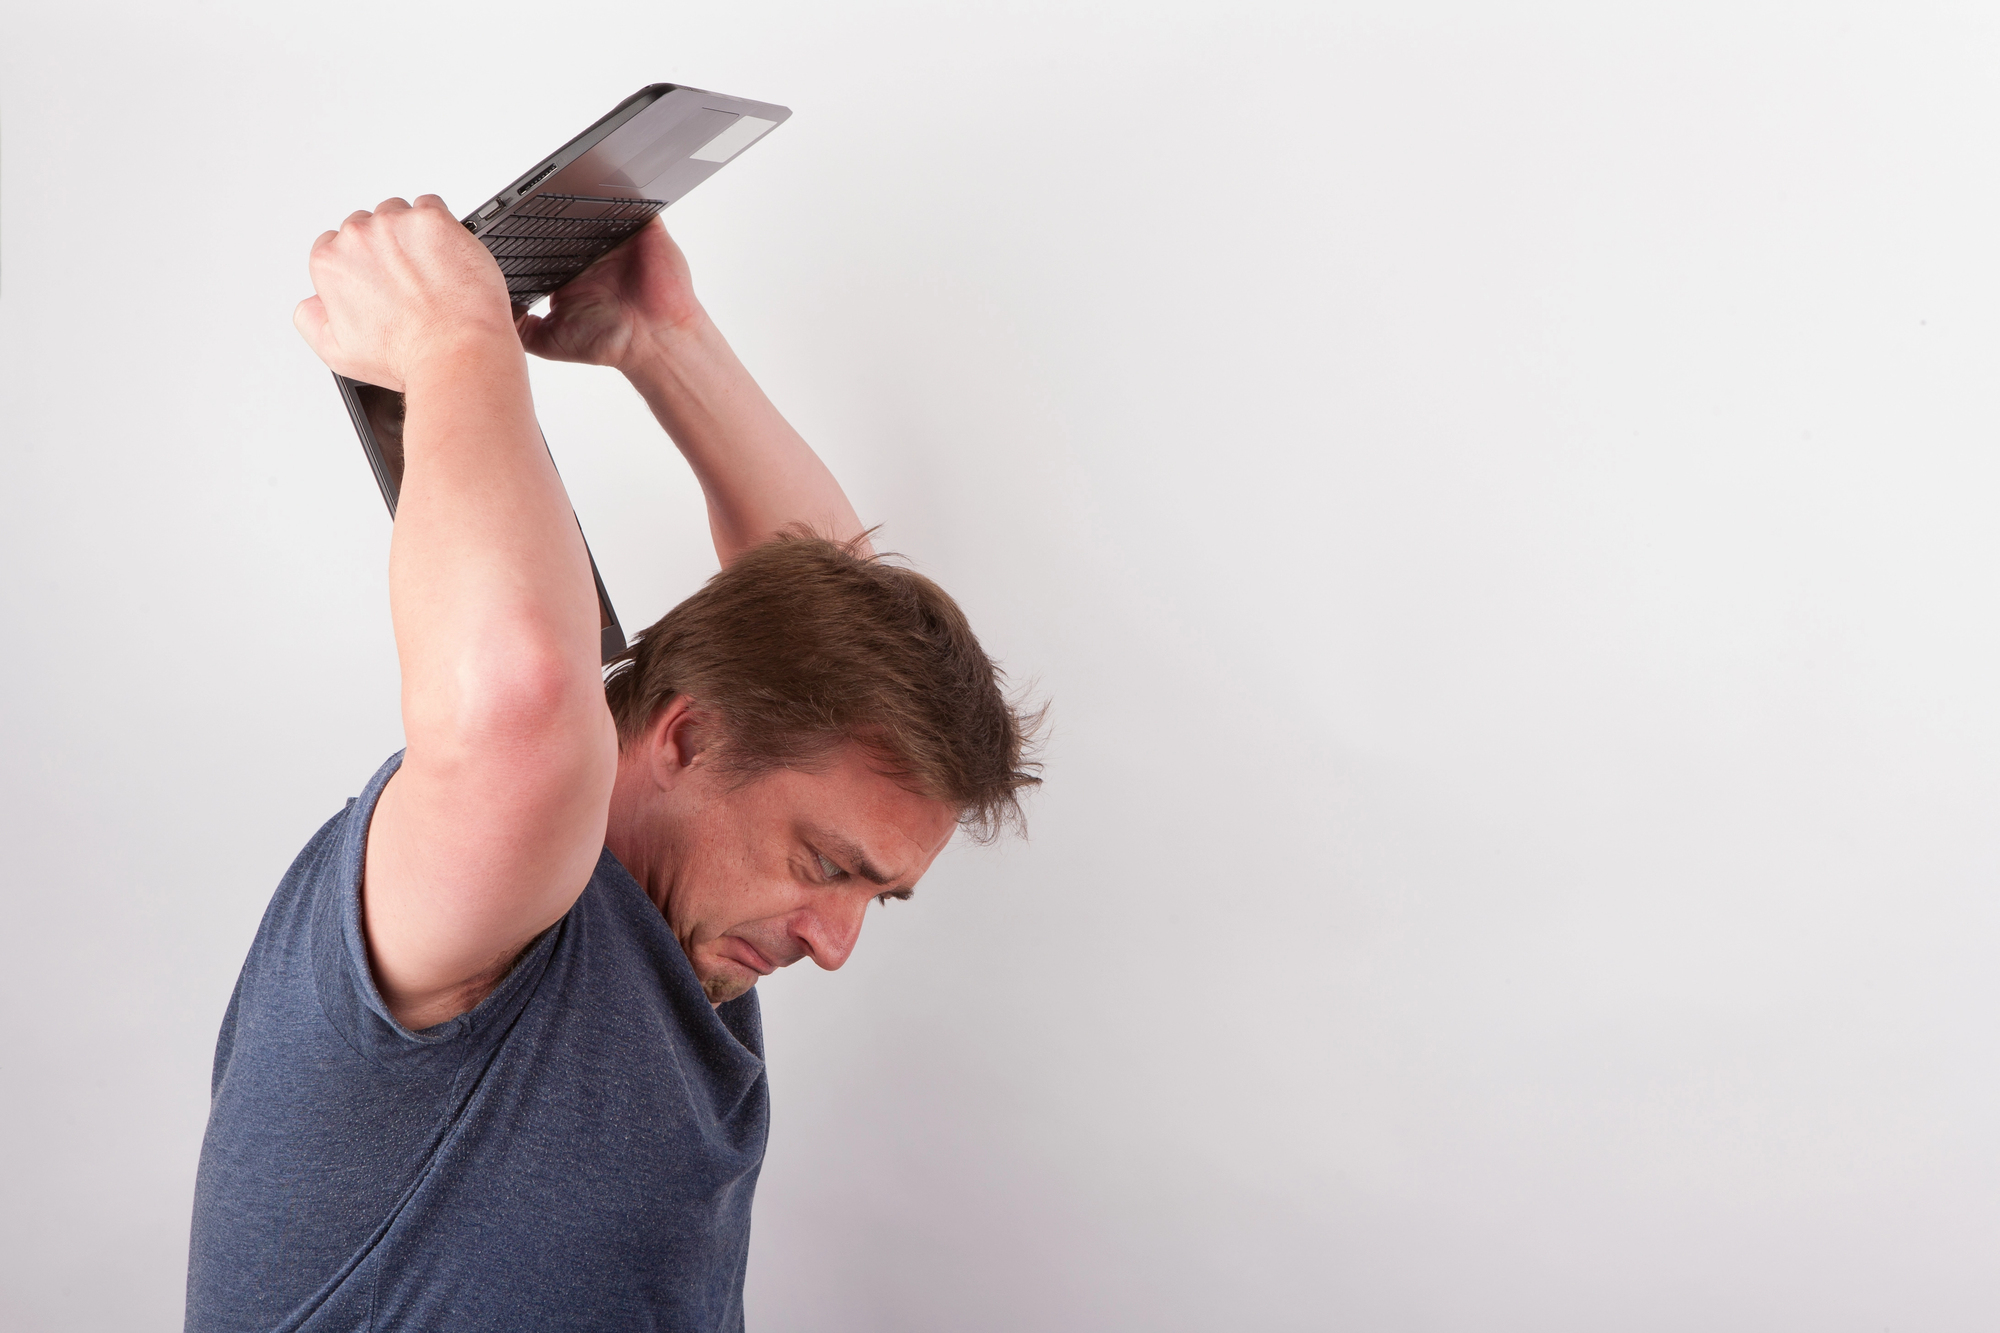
(852, 854)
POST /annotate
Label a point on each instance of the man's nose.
(829, 930)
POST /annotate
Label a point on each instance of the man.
(494, 1060)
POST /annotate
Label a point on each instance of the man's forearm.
(489, 581)
(757, 473)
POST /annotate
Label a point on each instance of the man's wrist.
(466, 349)
(658, 346)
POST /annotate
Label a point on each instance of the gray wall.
(1500, 497)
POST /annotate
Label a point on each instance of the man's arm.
(489, 831)
(636, 309)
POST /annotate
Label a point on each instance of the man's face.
(755, 876)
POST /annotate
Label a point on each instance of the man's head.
(797, 739)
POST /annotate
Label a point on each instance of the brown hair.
(802, 644)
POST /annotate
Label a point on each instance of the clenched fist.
(399, 284)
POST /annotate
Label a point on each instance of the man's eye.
(829, 869)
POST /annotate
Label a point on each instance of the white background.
(1500, 498)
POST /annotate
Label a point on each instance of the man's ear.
(675, 741)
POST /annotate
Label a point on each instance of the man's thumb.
(309, 318)
(530, 329)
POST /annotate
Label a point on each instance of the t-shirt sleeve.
(346, 983)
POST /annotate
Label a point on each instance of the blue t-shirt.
(577, 1152)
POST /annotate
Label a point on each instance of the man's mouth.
(748, 954)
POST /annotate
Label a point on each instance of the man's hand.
(396, 285)
(608, 313)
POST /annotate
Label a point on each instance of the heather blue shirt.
(577, 1152)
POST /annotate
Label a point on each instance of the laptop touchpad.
(657, 155)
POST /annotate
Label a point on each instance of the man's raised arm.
(489, 831)
(635, 309)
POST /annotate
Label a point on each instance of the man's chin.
(728, 983)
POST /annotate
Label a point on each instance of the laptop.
(567, 211)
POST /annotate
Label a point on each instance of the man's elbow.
(526, 708)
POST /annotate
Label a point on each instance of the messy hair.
(803, 644)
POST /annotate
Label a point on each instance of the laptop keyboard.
(553, 237)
